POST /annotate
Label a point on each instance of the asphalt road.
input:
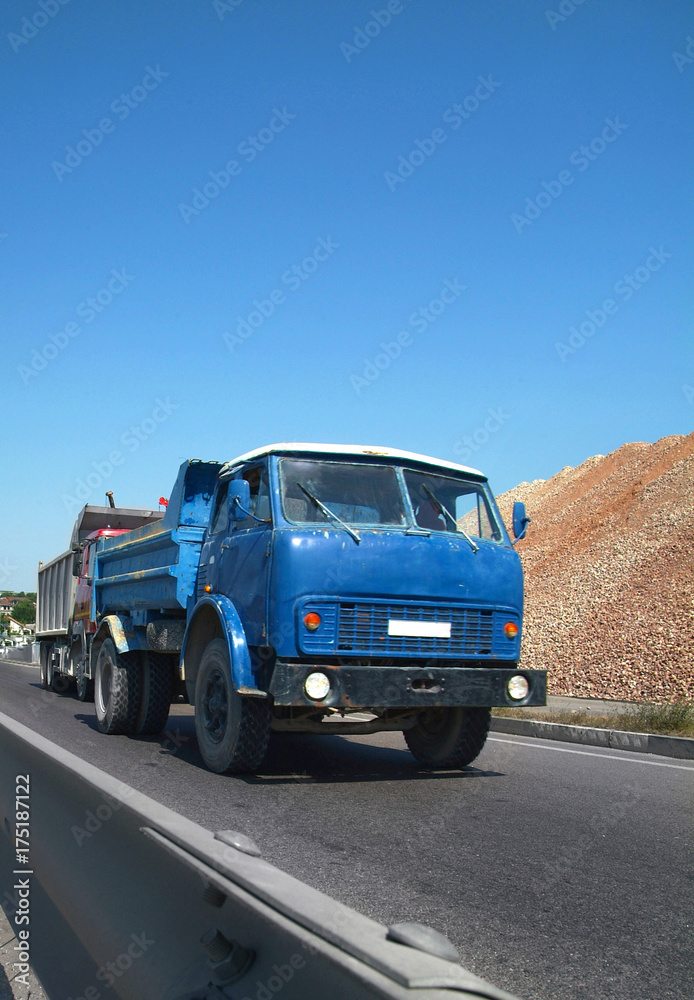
(557, 871)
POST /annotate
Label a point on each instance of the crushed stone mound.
(609, 574)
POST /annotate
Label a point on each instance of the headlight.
(317, 686)
(517, 687)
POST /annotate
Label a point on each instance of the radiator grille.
(363, 628)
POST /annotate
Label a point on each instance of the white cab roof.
(350, 449)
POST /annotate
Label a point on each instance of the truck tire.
(59, 682)
(232, 731)
(156, 693)
(85, 686)
(449, 737)
(116, 689)
(46, 651)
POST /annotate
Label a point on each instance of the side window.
(256, 476)
(218, 521)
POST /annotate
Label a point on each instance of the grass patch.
(661, 720)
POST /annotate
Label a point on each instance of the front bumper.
(405, 687)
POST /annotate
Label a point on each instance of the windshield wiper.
(328, 513)
(442, 510)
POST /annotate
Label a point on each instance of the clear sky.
(216, 214)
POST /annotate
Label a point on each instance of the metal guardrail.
(118, 896)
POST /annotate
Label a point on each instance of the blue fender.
(119, 628)
(241, 671)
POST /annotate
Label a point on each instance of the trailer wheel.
(156, 693)
(85, 686)
(116, 689)
(46, 651)
(59, 683)
(232, 731)
(449, 737)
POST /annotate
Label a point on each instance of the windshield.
(442, 503)
(356, 493)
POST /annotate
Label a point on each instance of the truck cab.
(360, 580)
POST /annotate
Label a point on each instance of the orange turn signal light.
(312, 621)
(208, 589)
(510, 630)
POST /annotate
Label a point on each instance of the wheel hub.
(215, 708)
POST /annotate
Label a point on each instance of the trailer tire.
(116, 689)
(85, 686)
(449, 737)
(46, 651)
(59, 683)
(232, 731)
(156, 693)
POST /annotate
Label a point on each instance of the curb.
(681, 747)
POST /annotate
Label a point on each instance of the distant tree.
(24, 612)
(31, 596)
(4, 629)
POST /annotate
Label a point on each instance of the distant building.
(8, 602)
(14, 633)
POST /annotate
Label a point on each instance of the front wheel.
(116, 689)
(232, 731)
(449, 737)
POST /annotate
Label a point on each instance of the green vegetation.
(24, 612)
(663, 720)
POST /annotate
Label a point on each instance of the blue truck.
(301, 587)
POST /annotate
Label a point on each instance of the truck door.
(236, 556)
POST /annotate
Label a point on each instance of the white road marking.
(587, 753)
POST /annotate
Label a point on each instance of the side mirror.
(520, 520)
(239, 499)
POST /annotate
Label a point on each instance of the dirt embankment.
(609, 573)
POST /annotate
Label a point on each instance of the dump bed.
(57, 583)
(155, 567)
(55, 597)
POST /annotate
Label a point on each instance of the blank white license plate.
(420, 630)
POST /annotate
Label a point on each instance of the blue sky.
(215, 216)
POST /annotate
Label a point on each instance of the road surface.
(557, 871)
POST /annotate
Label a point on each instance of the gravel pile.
(609, 581)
